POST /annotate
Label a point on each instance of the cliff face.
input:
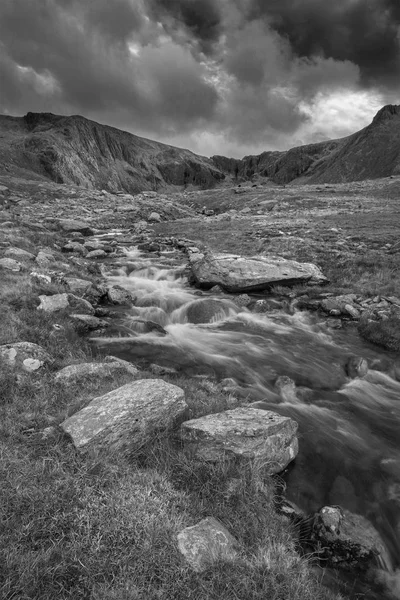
(82, 152)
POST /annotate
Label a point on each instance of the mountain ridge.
(76, 150)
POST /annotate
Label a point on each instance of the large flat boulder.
(245, 433)
(204, 544)
(250, 273)
(127, 417)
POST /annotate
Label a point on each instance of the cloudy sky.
(230, 77)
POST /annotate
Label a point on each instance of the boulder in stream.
(127, 417)
(243, 432)
(250, 273)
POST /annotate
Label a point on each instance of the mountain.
(370, 153)
(78, 151)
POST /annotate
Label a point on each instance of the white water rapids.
(349, 429)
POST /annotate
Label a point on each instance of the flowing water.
(349, 429)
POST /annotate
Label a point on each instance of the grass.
(98, 526)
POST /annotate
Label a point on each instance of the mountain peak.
(386, 112)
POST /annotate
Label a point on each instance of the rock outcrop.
(128, 417)
(250, 273)
(243, 433)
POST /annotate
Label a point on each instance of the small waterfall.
(349, 429)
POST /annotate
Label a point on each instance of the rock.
(40, 278)
(243, 300)
(81, 305)
(243, 432)
(217, 289)
(154, 217)
(18, 254)
(240, 274)
(129, 367)
(97, 254)
(119, 295)
(44, 259)
(91, 245)
(74, 247)
(87, 322)
(356, 366)
(344, 539)
(127, 417)
(78, 374)
(31, 364)
(286, 388)
(53, 303)
(70, 225)
(240, 190)
(352, 311)
(15, 355)
(206, 543)
(77, 286)
(209, 310)
(161, 371)
(10, 264)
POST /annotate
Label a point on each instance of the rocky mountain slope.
(77, 151)
(370, 153)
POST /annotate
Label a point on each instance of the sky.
(229, 77)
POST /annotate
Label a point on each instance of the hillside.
(371, 153)
(78, 151)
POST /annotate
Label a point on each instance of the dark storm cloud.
(82, 50)
(236, 70)
(202, 19)
(364, 32)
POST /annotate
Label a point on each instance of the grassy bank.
(98, 526)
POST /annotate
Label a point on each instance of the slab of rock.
(18, 254)
(44, 258)
(243, 432)
(206, 543)
(78, 374)
(240, 274)
(96, 254)
(21, 354)
(74, 247)
(80, 305)
(129, 367)
(53, 303)
(128, 417)
(72, 225)
(119, 295)
(77, 286)
(10, 264)
(87, 322)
